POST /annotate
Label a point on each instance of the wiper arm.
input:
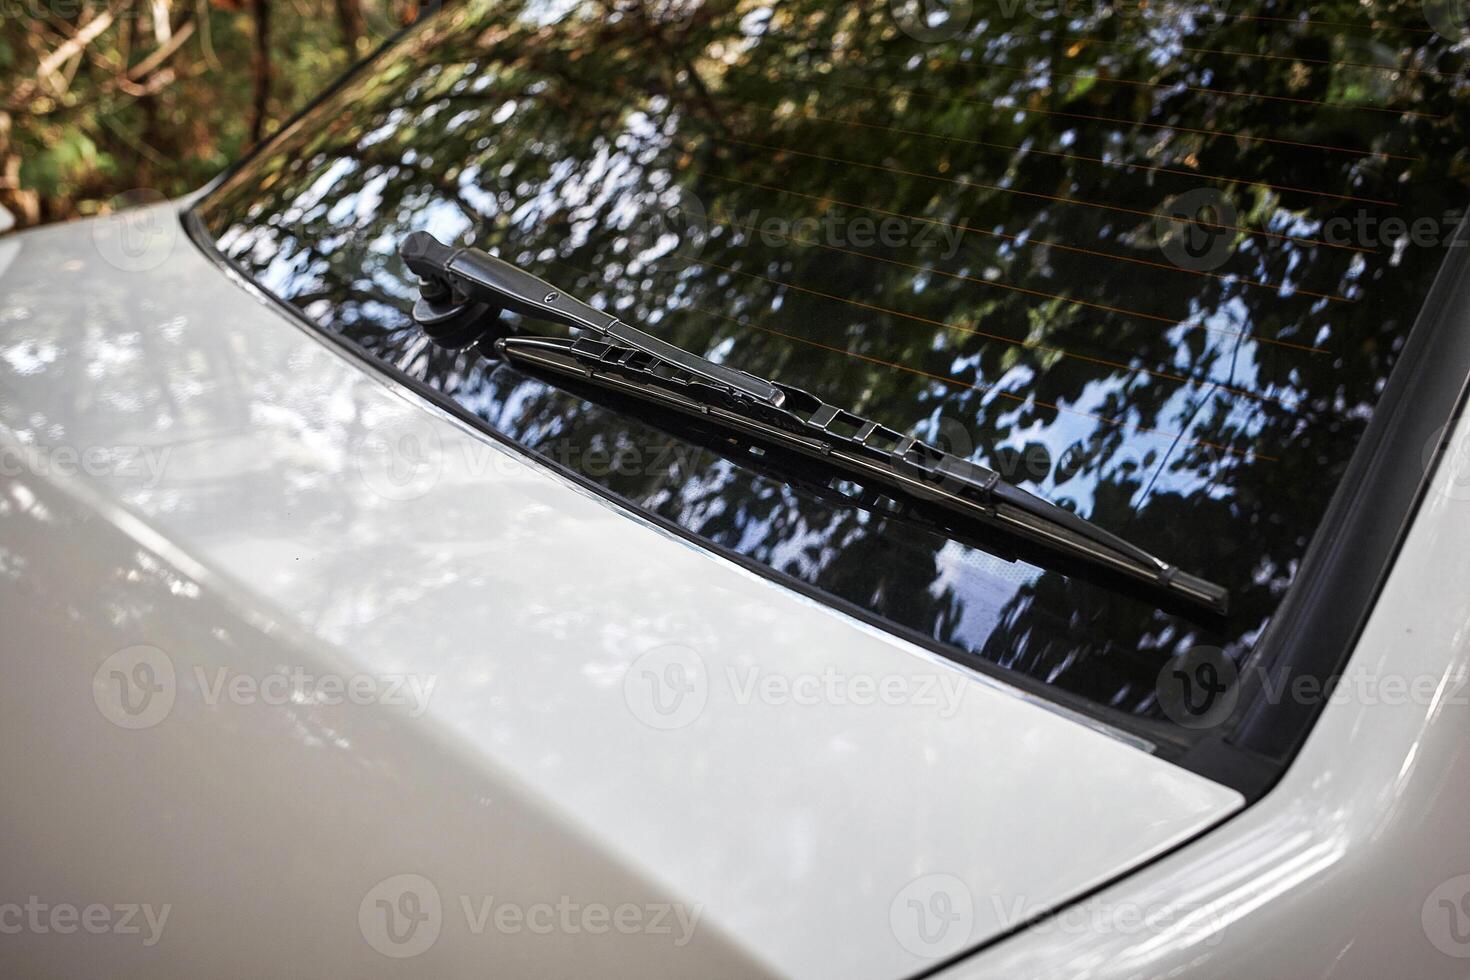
(461, 286)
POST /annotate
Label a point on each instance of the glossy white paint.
(270, 515)
(1357, 865)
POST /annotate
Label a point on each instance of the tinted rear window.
(1153, 262)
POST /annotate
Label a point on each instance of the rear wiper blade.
(462, 289)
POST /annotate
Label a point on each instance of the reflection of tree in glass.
(974, 230)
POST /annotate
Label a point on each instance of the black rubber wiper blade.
(860, 450)
(463, 286)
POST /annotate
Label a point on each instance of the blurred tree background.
(102, 97)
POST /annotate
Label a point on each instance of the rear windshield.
(1154, 262)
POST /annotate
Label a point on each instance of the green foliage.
(140, 105)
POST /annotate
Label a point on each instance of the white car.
(739, 491)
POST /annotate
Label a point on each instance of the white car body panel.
(1357, 864)
(255, 529)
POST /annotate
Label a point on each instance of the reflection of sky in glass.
(1032, 301)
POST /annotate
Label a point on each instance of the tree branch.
(148, 64)
(349, 17)
(261, 65)
(64, 52)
